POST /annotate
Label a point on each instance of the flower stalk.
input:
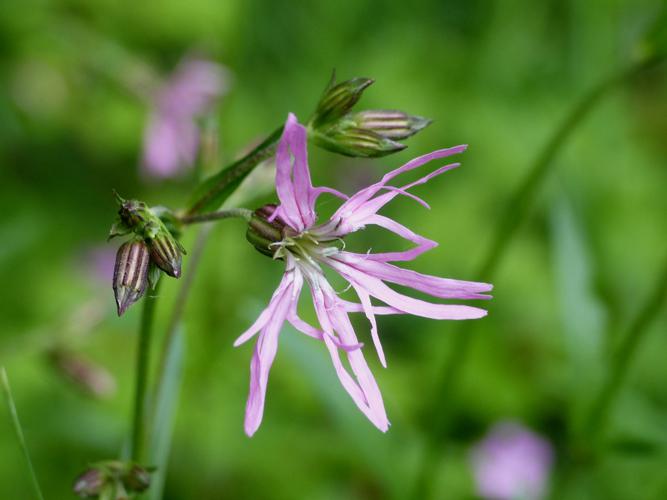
(138, 447)
(623, 356)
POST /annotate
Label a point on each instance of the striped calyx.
(130, 277)
(367, 134)
(166, 253)
(263, 233)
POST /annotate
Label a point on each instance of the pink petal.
(267, 313)
(265, 352)
(433, 285)
(379, 290)
(423, 244)
(333, 317)
(368, 310)
(293, 184)
(311, 331)
(360, 204)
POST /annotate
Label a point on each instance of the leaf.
(582, 313)
(164, 413)
(18, 430)
(211, 193)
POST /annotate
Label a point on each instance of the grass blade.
(4, 381)
(164, 413)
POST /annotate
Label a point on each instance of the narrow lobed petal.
(443, 288)
(265, 352)
(410, 305)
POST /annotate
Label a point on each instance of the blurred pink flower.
(100, 262)
(512, 462)
(289, 232)
(171, 138)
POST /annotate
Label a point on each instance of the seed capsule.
(130, 277)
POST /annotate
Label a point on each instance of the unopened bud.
(166, 253)
(262, 232)
(90, 484)
(389, 124)
(368, 134)
(137, 479)
(156, 226)
(91, 378)
(338, 99)
(357, 142)
(130, 277)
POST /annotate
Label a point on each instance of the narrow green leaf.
(4, 381)
(582, 312)
(211, 193)
(164, 413)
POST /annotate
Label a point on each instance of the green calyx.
(262, 233)
(113, 479)
(152, 231)
(369, 134)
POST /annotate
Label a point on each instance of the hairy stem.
(518, 207)
(138, 447)
(215, 190)
(623, 356)
(242, 213)
(18, 430)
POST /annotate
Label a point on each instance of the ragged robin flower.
(290, 232)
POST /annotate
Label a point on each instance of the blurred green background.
(499, 76)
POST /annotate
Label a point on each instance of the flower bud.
(92, 379)
(90, 483)
(166, 253)
(130, 276)
(338, 99)
(356, 142)
(262, 233)
(369, 134)
(390, 124)
(137, 479)
(156, 226)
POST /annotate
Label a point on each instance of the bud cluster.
(369, 133)
(151, 248)
(113, 480)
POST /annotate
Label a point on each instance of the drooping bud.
(166, 253)
(156, 226)
(130, 277)
(389, 123)
(262, 233)
(113, 480)
(137, 479)
(91, 378)
(90, 484)
(369, 134)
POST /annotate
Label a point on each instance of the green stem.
(4, 381)
(521, 202)
(623, 356)
(212, 192)
(242, 213)
(141, 382)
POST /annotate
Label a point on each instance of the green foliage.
(496, 75)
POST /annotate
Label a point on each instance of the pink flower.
(512, 462)
(171, 139)
(292, 234)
